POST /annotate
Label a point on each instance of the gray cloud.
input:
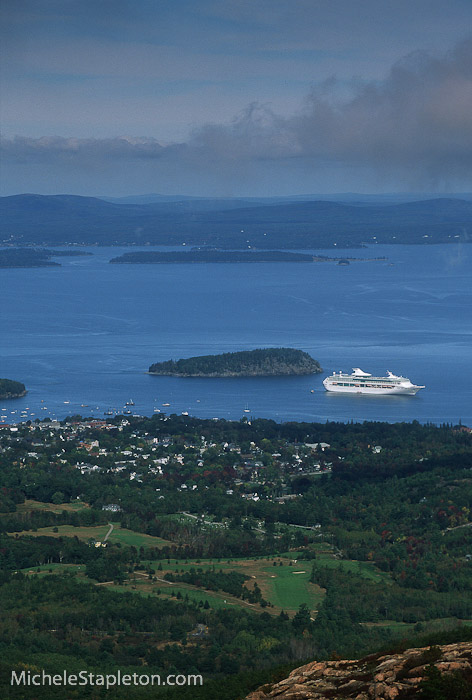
(412, 128)
(417, 121)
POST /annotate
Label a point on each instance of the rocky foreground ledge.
(389, 677)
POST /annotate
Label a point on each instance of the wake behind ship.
(360, 382)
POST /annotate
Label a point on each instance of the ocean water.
(82, 336)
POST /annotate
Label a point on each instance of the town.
(241, 534)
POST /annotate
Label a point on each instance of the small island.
(268, 362)
(10, 389)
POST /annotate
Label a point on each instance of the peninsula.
(34, 257)
(248, 363)
(11, 390)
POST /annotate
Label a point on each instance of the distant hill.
(61, 219)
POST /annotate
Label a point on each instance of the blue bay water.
(85, 333)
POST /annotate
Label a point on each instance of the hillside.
(249, 363)
(61, 219)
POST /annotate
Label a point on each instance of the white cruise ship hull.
(363, 383)
(405, 390)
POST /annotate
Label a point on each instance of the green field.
(46, 569)
(30, 506)
(289, 586)
(98, 532)
(144, 586)
(362, 568)
(285, 585)
(280, 585)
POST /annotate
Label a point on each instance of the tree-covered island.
(248, 363)
(10, 389)
(212, 256)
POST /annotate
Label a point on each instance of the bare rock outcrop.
(388, 677)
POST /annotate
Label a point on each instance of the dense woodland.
(379, 513)
(261, 362)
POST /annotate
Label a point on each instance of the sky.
(235, 97)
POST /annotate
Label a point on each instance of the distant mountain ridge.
(71, 219)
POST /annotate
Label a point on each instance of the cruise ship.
(360, 382)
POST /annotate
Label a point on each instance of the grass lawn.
(280, 585)
(98, 532)
(216, 599)
(363, 568)
(29, 506)
(46, 569)
(289, 586)
(439, 624)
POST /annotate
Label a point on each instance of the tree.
(302, 621)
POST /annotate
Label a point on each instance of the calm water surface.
(86, 333)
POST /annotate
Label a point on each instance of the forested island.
(34, 257)
(214, 255)
(248, 363)
(10, 389)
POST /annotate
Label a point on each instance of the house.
(113, 508)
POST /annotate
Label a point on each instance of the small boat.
(185, 413)
(129, 403)
(166, 404)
